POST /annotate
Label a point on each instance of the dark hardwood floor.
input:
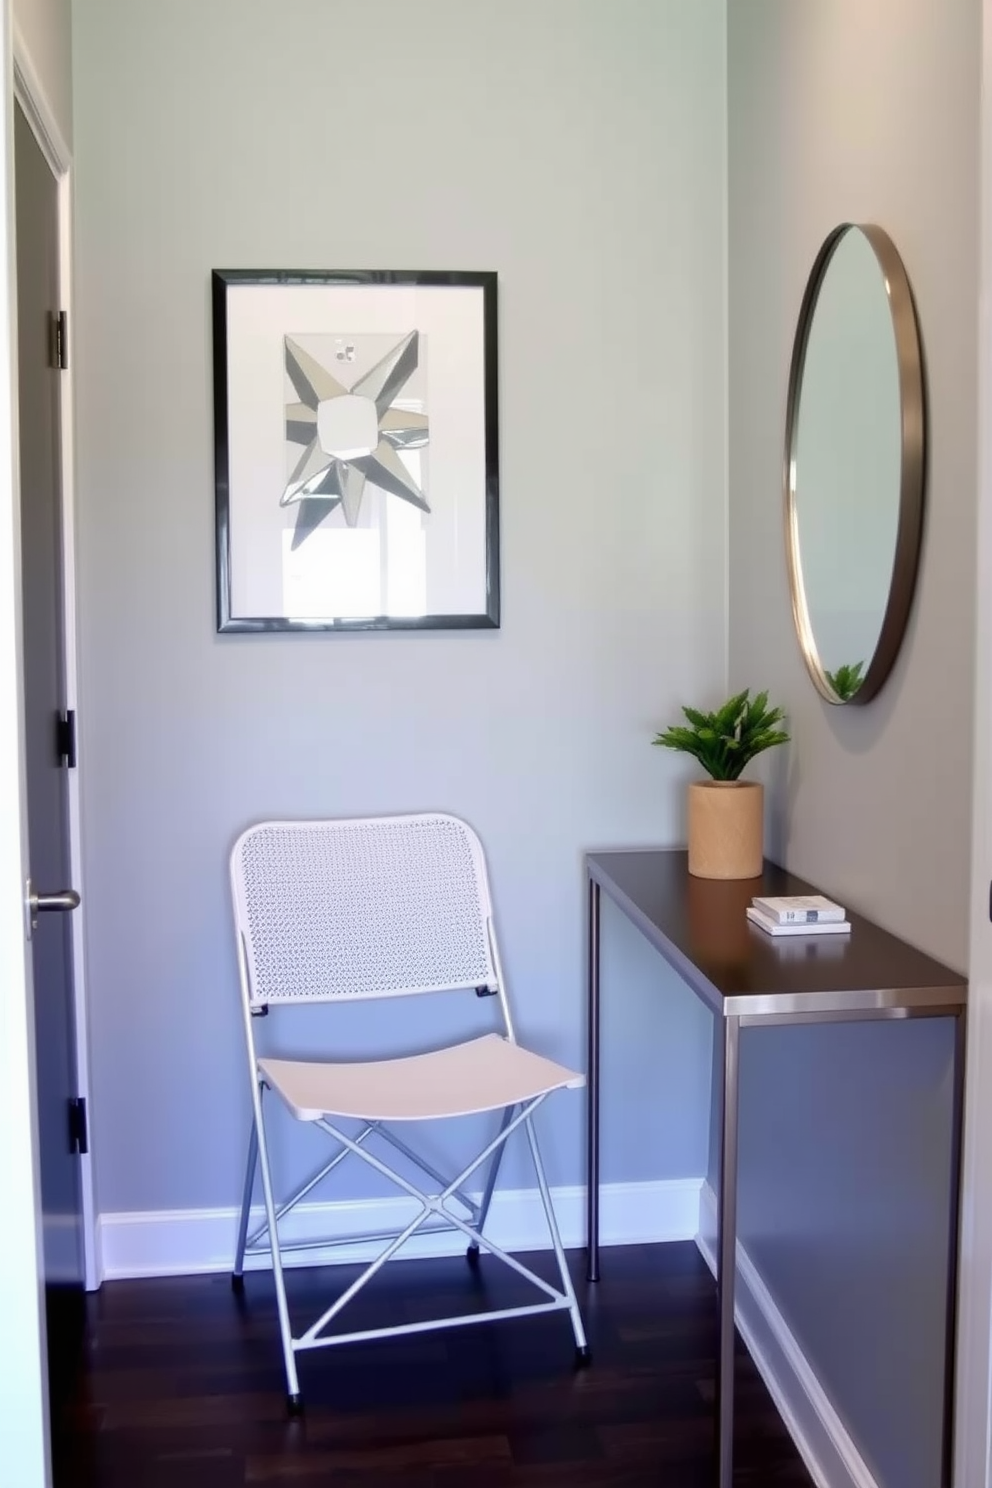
(180, 1385)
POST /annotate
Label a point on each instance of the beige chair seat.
(484, 1074)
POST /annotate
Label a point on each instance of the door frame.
(973, 1416)
(30, 95)
(23, 1375)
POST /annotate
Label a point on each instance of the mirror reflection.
(851, 476)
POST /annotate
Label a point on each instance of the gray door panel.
(44, 698)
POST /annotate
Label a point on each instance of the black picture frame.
(262, 315)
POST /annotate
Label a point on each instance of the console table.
(749, 978)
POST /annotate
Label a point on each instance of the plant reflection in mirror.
(846, 680)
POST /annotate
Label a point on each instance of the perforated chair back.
(362, 907)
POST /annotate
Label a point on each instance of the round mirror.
(855, 462)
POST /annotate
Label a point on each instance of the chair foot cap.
(237, 1283)
(294, 1404)
(472, 1256)
(583, 1358)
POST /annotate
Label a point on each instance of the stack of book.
(798, 914)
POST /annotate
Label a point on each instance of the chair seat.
(484, 1074)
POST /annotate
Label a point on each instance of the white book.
(774, 927)
(799, 909)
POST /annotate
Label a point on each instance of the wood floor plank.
(180, 1385)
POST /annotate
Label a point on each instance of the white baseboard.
(831, 1457)
(183, 1242)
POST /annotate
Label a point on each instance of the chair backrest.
(361, 907)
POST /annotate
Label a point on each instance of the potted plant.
(725, 813)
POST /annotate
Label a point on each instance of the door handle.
(36, 904)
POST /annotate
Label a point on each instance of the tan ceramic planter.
(726, 837)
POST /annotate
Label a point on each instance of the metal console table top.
(749, 978)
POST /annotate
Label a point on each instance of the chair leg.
(238, 1274)
(295, 1400)
(581, 1346)
(472, 1252)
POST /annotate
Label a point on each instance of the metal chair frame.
(435, 1214)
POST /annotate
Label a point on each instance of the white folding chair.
(342, 910)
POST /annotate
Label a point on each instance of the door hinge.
(65, 738)
(58, 330)
(78, 1127)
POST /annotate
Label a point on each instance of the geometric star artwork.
(350, 436)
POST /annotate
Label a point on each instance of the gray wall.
(45, 27)
(578, 147)
(842, 111)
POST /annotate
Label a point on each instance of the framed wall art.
(356, 451)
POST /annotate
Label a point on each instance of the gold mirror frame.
(909, 533)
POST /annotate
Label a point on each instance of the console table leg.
(592, 1091)
(727, 1251)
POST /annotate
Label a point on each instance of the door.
(47, 746)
